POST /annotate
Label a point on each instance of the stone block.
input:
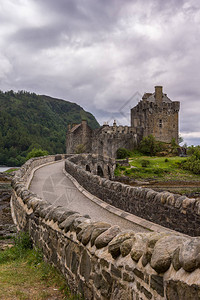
(114, 245)
(125, 247)
(138, 273)
(65, 215)
(104, 263)
(163, 251)
(103, 239)
(98, 230)
(74, 262)
(146, 293)
(85, 265)
(189, 256)
(65, 225)
(139, 246)
(116, 271)
(157, 284)
(176, 290)
(128, 277)
(175, 259)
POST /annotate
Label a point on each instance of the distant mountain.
(30, 121)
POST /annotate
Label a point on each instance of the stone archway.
(87, 168)
(99, 171)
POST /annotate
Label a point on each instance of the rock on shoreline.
(7, 227)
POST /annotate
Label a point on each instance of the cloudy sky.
(102, 54)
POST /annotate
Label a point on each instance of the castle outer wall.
(154, 115)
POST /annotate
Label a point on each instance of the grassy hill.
(28, 120)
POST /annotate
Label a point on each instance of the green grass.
(24, 275)
(157, 168)
(11, 170)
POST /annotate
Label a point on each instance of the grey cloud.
(99, 53)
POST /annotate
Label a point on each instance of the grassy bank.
(24, 275)
(156, 168)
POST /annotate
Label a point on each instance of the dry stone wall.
(99, 260)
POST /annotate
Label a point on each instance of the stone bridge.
(114, 254)
(102, 166)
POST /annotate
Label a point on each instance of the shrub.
(193, 162)
(127, 172)
(145, 163)
(122, 153)
(149, 145)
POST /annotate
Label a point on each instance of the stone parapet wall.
(99, 260)
(170, 210)
(93, 161)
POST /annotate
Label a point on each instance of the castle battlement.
(106, 129)
(144, 104)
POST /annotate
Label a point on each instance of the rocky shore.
(7, 227)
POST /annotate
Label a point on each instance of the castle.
(155, 114)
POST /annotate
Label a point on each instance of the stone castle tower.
(155, 114)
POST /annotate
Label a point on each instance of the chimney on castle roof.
(158, 94)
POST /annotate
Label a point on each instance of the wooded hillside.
(30, 121)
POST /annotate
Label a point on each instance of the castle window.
(160, 123)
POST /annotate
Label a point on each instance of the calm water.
(2, 169)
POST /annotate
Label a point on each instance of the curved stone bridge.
(99, 259)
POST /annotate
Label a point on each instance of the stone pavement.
(50, 183)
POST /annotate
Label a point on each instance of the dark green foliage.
(127, 172)
(122, 168)
(122, 153)
(174, 146)
(192, 163)
(180, 139)
(145, 163)
(149, 145)
(192, 149)
(166, 160)
(30, 121)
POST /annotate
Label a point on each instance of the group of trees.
(29, 121)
